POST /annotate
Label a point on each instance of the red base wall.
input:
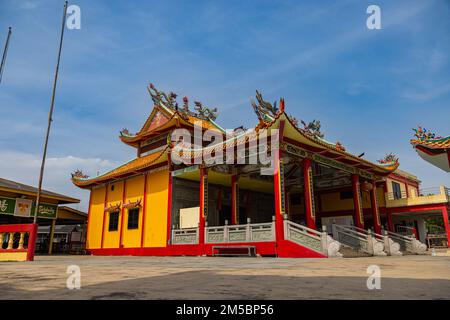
(284, 249)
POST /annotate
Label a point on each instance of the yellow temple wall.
(412, 191)
(155, 234)
(332, 201)
(381, 198)
(111, 238)
(95, 222)
(389, 185)
(134, 191)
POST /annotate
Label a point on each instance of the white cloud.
(24, 168)
(430, 92)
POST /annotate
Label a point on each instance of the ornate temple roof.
(309, 138)
(134, 166)
(311, 142)
(431, 148)
(166, 115)
(442, 143)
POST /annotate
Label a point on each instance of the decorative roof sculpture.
(78, 174)
(388, 159)
(167, 115)
(160, 98)
(265, 111)
(205, 112)
(433, 149)
(313, 128)
(423, 134)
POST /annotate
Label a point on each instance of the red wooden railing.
(8, 231)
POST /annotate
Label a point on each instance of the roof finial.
(281, 105)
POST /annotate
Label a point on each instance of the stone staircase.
(357, 242)
(312, 239)
(348, 252)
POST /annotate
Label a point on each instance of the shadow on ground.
(216, 285)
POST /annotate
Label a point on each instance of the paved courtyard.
(409, 277)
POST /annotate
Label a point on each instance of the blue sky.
(368, 88)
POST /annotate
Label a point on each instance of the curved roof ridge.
(135, 164)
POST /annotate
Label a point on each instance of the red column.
(234, 199)
(358, 216)
(375, 209)
(277, 186)
(308, 194)
(203, 204)
(32, 242)
(446, 224)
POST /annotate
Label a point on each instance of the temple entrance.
(234, 205)
(224, 215)
(331, 189)
(253, 197)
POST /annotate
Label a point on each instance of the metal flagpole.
(5, 52)
(50, 113)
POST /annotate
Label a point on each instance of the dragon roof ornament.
(161, 98)
(423, 134)
(169, 100)
(78, 174)
(264, 110)
(389, 159)
(126, 133)
(313, 128)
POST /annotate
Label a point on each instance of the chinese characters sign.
(25, 208)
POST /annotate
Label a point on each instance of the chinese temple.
(318, 199)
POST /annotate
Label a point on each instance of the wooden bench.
(231, 251)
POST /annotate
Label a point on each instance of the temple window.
(396, 190)
(113, 221)
(133, 218)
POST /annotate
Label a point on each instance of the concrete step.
(348, 252)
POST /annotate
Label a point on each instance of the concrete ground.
(408, 277)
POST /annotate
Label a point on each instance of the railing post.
(324, 240)
(248, 233)
(387, 245)
(286, 231)
(225, 232)
(11, 240)
(370, 244)
(21, 241)
(334, 232)
(173, 234)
